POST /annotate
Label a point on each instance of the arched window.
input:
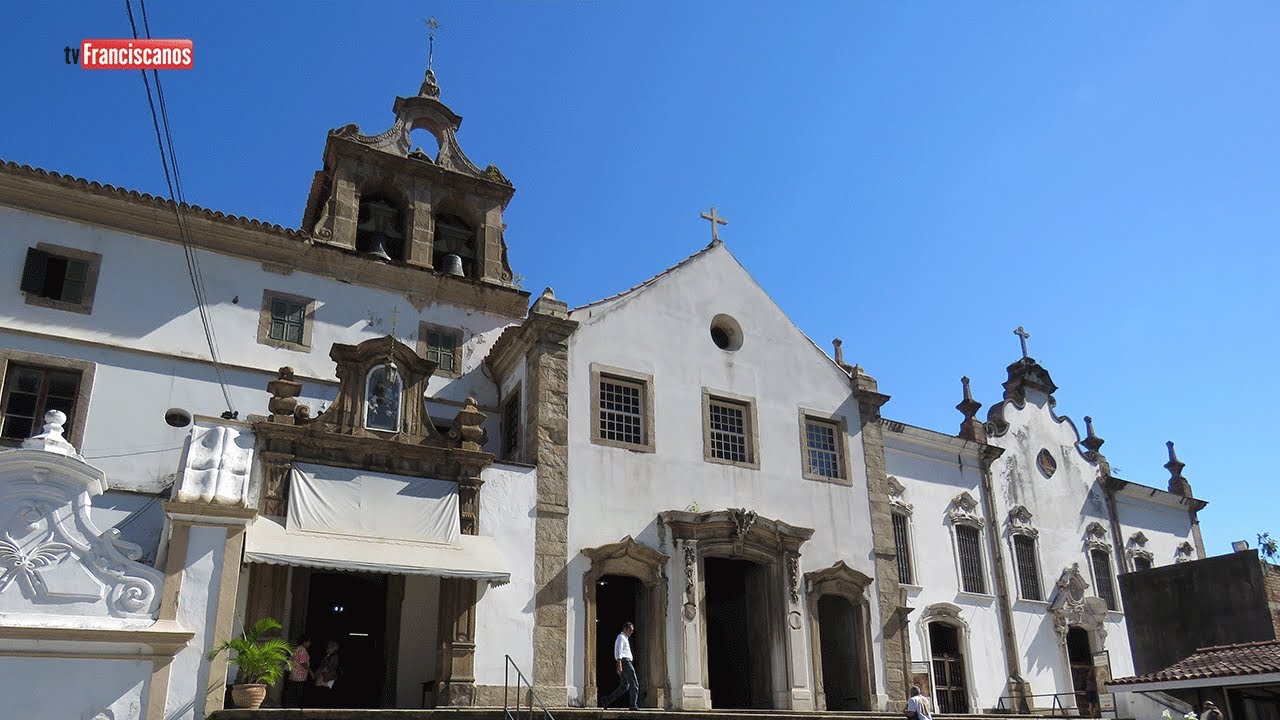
(454, 237)
(380, 228)
(383, 395)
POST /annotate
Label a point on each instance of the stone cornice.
(163, 638)
(72, 198)
(1146, 493)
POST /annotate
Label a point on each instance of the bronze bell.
(453, 266)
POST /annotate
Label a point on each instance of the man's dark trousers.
(628, 684)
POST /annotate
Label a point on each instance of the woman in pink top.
(299, 671)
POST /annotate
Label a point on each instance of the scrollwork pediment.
(839, 579)
(1020, 522)
(964, 510)
(1095, 537)
(627, 557)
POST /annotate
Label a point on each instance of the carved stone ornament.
(1095, 537)
(53, 559)
(793, 577)
(690, 591)
(1046, 463)
(467, 430)
(897, 492)
(963, 510)
(1185, 553)
(1137, 548)
(284, 396)
(216, 466)
(1070, 606)
(743, 519)
(1020, 522)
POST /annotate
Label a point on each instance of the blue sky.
(918, 179)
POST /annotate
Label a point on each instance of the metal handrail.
(1056, 705)
(521, 681)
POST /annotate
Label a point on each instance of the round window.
(726, 333)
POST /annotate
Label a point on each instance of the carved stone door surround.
(844, 581)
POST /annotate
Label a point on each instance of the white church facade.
(366, 431)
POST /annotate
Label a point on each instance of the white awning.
(475, 557)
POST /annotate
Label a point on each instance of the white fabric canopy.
(474, 556)
(362, 504)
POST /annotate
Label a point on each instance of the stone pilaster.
(889, 598)
(546, 334)
(1016, 688)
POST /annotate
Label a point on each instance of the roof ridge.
(650, 281)
(100, 188)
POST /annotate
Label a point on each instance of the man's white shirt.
(920, 704)
(622, 648)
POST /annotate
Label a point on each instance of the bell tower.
(378, 197)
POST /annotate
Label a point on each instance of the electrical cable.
(168, 157)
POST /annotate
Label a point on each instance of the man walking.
(626, 669)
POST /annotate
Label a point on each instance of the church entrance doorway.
(350, 609)
(949, 679)
(619, 599)
(739, 651)
(841, 661)
(1084, 680)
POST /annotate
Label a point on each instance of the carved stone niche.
(851, 585)
(629, 558)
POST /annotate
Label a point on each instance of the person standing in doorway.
(918, 706)
(299, 670)
(627, 682)
(326, 676)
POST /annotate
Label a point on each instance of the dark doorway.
(948, 669)
(739, 671)
(1083, 680)
(618, 600)
(838, 624)
(351, 609)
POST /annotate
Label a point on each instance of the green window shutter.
(33, 273)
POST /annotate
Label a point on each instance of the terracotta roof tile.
(1253, 658)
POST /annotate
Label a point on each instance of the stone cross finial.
(715, 220)
(1022, 336)
(50, 439)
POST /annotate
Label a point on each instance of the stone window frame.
(425, 327)
(54, 362)
(264, 320)
(644, 381)
(94, 262)
(898, 506)
(1096, 542)
(1020, 525)
(1137, 550)
(512, 454)
(840, 425)
(750, 427)
(962, 512)
(1185, 552)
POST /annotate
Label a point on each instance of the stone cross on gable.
(715, 220)
(1022, 336)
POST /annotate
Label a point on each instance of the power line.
(168, 157)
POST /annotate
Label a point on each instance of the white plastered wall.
(504, 614)
(74, 688)
(663, 331)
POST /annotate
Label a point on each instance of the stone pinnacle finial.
(838, 347)
(971, 428)
(50, 439)
(1178, 484)
(1091, 441)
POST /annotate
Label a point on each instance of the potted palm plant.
(262, 662)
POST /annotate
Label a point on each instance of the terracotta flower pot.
(249, 697)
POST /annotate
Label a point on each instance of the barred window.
(728, 425)
(440, 346)
(902, 545)
(1102, 577)
(1141, 563)
(969, 547)
(287, 319)
(1024, 550)
(823, 448)
(621, 411)
(511, 426)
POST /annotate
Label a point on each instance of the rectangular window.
(902, 545)
(969, 548)
(30, 392)
(621, 411)
(440, 345)
(287, 319)
(62, 278)
(511, 426)
(1102, 578)
(727, 422)
(1141, 563)
(823, 449)
(1024, 550)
